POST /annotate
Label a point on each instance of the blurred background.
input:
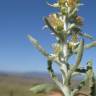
(21, 65)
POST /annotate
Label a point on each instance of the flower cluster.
(55, 22)
(67, 22)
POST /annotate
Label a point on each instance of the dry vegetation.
(18, 85)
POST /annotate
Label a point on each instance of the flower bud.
(79, 20)
(57, 48)
(61, 2)
(63, 11)
(56, 23)
(71, 3)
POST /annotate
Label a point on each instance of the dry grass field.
(14, 85)
(18, 85)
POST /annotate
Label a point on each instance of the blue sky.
(21, 17)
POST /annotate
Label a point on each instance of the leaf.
(43, 88)
(37, 45)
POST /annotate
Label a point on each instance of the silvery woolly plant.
(66, 26)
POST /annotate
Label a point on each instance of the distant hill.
(34, 77)
(38, 76)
